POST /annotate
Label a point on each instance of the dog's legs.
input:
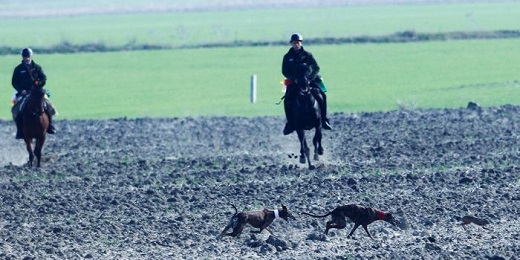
(237, 230)
(260, 231)
(224, 231)
(266, 224)
(328, 226)
(336, 222)
(366, 229)
(353, 229)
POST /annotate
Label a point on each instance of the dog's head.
(285, 214)
(390, 219)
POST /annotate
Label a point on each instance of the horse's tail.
(316, 216)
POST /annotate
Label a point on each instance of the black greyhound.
(360, 215)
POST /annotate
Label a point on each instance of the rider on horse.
(295, 58)
(27, 75)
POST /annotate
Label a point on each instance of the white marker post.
(253, 89)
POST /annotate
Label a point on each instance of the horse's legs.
(29, 150)
(303, 146)
(38, 150)
(304, 149)
(316, 141)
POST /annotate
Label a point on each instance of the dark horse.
(35, 123)
(306, 115)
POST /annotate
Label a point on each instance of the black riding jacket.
(292, 62)
(25, 76)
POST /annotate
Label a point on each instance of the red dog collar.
(381, 215)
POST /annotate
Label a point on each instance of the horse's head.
(303, 83)
(35, 100)
(304, 86)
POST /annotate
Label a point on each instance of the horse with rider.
(300, 65)
(27, 76)
(304, 100)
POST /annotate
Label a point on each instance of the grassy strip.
(400, 37)
(216, 81)
(263, 25)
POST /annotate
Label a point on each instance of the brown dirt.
(162, 188)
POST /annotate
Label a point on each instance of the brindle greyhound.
(259, 219)
(360, 215)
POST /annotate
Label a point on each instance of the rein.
(304, 90)
(281, 99)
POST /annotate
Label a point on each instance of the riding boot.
(19, 127)
(322, 100)
(50, 129)
(289, 128)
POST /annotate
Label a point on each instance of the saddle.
(18, 105)
(20, 101)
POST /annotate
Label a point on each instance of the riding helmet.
(27, 52)
(296, 37)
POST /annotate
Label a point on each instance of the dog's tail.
(236, 210)
(316, 216)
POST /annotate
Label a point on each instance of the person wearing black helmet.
(26, 75)
(292, 62)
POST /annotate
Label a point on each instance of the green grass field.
(216, 81)
(370, 77)
(196, 27)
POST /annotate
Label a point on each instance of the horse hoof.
(302, 160)
(320, 151)
(312, 167)
(316, 157)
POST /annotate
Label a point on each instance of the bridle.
(304, 89)
(33, 97)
